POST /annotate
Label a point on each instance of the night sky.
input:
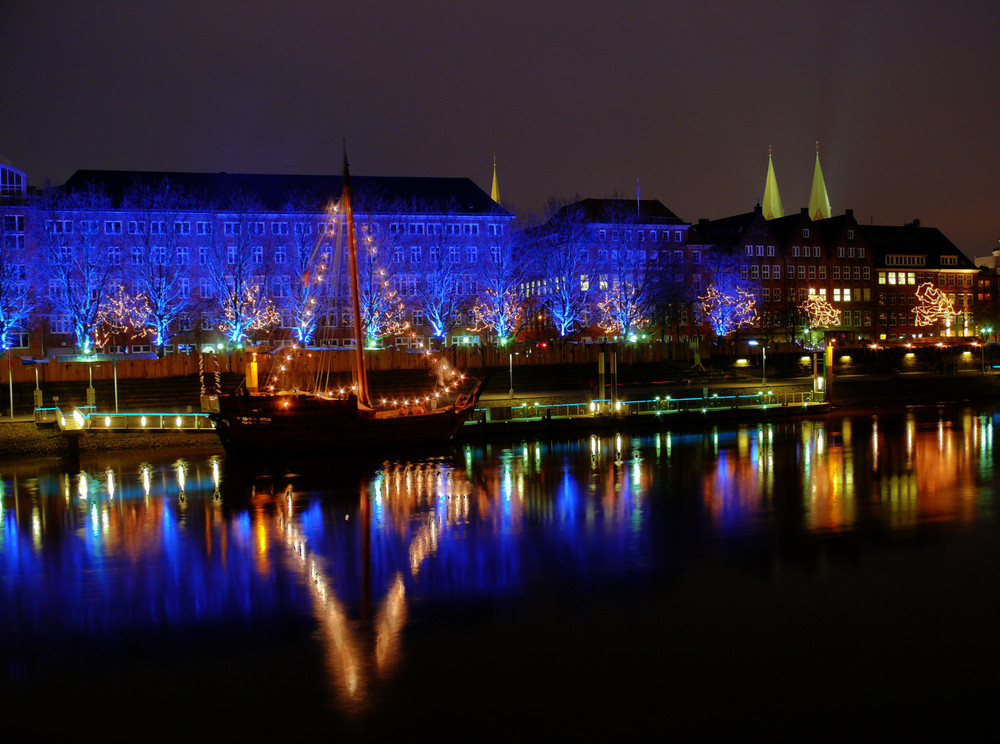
(574, 98)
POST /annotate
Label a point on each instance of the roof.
(912, 239)
(310, 192)
(607, 211)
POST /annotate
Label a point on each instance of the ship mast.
(352, 243)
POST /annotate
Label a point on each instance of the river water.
(807, 579)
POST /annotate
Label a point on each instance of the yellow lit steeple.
(495, 191)
(772, 200)
(819, 201)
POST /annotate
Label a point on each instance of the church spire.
(819, 201)
(771, 206)
(495, 191)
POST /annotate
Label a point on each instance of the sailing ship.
(251, 423)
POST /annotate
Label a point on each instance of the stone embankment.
(26, 438)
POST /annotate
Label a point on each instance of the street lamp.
(763, 360)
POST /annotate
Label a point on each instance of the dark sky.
(573, 97)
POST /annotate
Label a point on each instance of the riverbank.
(27, 438)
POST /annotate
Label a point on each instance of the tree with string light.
(730, 301)
(820, 315)
(503, 303)
(158, 261)
(383, 312)
(238, 269)
(306, 264)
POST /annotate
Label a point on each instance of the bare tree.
(74, 262)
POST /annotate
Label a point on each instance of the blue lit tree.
(75, 262)
(568, 268)
(17, 301)
(441, 288)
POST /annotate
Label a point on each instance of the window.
(258, 253)
(470, 229)
(203, 228)
(749, 250)
(471, 254)
(89, 227)
(614, 235)
(822, 272)
(866, 270)
(755, 272)
(416, 228)
(203, 256)
(415, 254)
(802, 272)
(677, 236)
(949, 260)
(182, 228)
(59, 226)
(137, 256)
(770, 250)
(857, 273)
(279, 228)
(602, 234)
(60, 324)
(204, 288)
(805, 232)
(836, 273)
(159, 255)
(183, 255)
(696, 257)
(861, 252)
(776, 271)
(303, 228)
(184, 287)
(806, 251)
(231, 254)
(795, 251)
(257, 228)
(812, 272)
(850, 234)
(760, 250)
(13, 223)
(850, 252)
(280, 254)
(157, 228)
(433, 228)
(113, 227)
(231, 228)
(453, 254)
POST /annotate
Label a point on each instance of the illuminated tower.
(495, 191)
(819, 201)
(771, 206)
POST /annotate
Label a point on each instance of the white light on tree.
(933, 305)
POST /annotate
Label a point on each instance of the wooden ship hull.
(257, 425)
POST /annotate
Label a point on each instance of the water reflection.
(168, 547)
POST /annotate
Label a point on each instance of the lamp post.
(763, 359)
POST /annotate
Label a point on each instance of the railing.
(87, 418)
(656, 406)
